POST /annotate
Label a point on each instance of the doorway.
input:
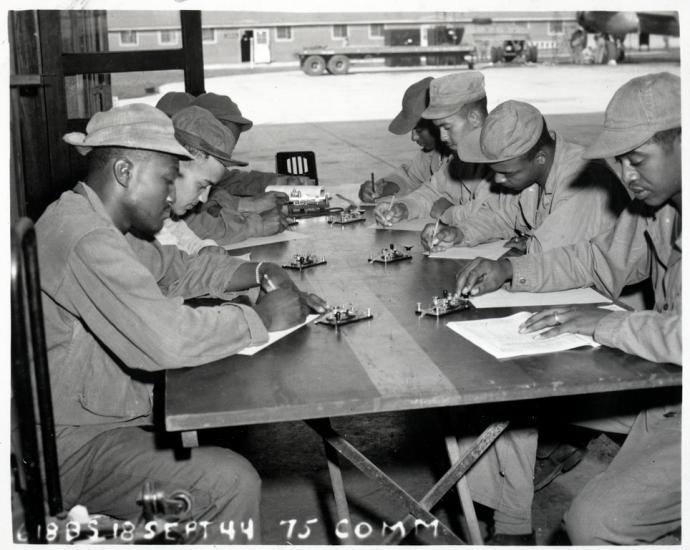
(246, 46)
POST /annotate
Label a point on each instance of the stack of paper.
(275, 336)
(503, 298)
(406, 225)
(270, 239)
(492, 251)
(500, 337)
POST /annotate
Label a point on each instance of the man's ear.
(475, 118)
(122, 170)
(540, 157)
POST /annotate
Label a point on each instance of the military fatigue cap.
(172, 102)
(136, 126)
(224, 109)
(639, 109)
(198, 128)
(414, 101)
(449, 93)
(510, 131)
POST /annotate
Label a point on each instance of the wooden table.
(393, 362)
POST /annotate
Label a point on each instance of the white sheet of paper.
(275, 336)
(493, 251)
(503, 298)
(500, 337)
(258, 241)
(406, 225)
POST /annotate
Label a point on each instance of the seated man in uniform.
(555, 197)
(430, 159)
(636, 500)
(110, 329)
(226, 217)
(457, 103)
(211, 144)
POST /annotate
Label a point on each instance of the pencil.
(433, 235)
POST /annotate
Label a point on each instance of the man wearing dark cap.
(429, 160)
(555, 197)
(225, 218)
(457, 186)
(637, 499)
(110, 328)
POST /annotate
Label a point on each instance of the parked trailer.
(314, 61)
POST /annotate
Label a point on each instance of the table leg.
(368, 468)
(338, 487)
(190, 439)
(457, 470)
(464, 491)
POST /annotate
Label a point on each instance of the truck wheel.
(314, 65)
(339, 64)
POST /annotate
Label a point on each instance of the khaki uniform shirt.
(411, 176)
(466, 185)
(580, 199)
(108, 321)
(640, 245)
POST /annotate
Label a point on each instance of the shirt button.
(522, 280)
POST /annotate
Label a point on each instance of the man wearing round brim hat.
(457, 188)
(637, 499)
(554, 197)
(429, 160)
(109, 326)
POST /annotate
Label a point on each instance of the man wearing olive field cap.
(637, 499)
(457, 103)
(555, 197)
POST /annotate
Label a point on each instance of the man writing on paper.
(109, 328)
(430, 159)
(554, 197)
(226, 217)
(457, 104)
(637, 499)
(211, 145)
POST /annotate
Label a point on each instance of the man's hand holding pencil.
(388, 213)
(439, 236)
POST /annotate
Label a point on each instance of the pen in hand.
(433, 235)
(267, 284)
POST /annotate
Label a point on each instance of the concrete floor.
(344, 120)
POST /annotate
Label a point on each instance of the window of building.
(339, 31)
(376, 30)
(283, 33)
(129, 38)
(208, 36)
(168, 38)
(555, 27)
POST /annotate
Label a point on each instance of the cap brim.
(160, 145)
(469, 148)
(244, 123)
(403, 123)
(611, 143)
(235, 162)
